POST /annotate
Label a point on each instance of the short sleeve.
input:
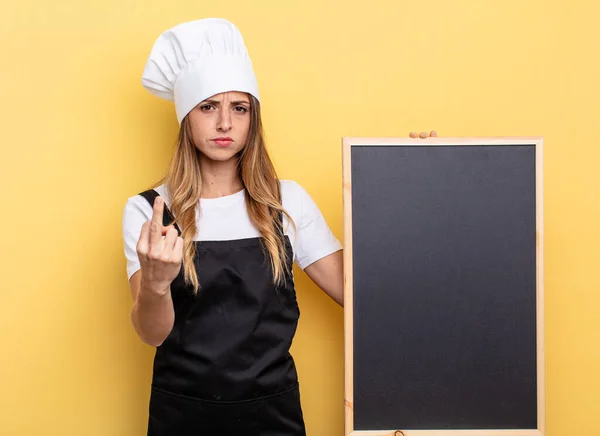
(136, 212)
(314, 239)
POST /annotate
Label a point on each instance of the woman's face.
(220, 125)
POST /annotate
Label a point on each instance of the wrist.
(151, 301)
(152, 289)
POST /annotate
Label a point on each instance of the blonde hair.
(262, 192)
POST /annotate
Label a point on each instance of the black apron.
(225, 368)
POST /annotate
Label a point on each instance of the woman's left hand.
(423, 135)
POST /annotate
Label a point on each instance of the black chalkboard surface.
(443, 297)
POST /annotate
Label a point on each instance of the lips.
(223, 142)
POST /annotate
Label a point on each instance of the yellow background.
(79, 135)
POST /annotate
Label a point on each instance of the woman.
(210, 251)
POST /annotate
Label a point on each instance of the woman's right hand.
(160, 257)
(423, 135)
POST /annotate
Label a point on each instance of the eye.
(240, 109)
(206, 107)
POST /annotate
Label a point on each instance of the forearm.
(328, 274)
(153, 316)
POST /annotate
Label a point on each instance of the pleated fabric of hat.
(197, 60)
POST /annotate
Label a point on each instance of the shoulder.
(312, 238)
(138, 208)
(292, 192)
(298, 202)
(288, 186)
(294, 199)
(138, 199)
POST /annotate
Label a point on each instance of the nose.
(224, 121)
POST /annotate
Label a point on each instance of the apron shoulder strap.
(168, 219)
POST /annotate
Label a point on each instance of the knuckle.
(140, 248)
(154, 254)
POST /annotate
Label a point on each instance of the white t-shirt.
(226, 218)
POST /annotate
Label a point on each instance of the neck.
(219, 178)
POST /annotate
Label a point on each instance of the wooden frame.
(347, 144)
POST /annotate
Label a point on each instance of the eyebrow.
(233, 103)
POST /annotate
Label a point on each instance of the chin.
(221, 155)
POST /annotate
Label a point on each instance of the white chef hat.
(196, 60)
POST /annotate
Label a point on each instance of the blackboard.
(443, 286)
